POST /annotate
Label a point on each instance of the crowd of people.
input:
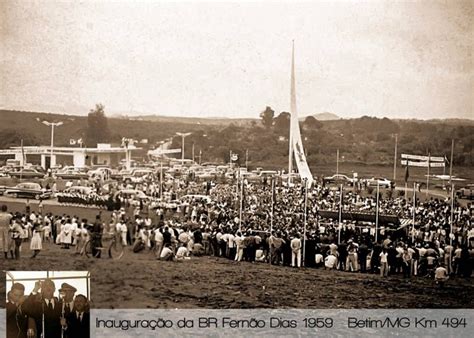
(41, 314)
(275, 223)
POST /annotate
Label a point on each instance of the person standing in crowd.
(36, 244)
(16, 234)
(45, 310)
(78, 320)
(239, 243)
(17, 321)
(96, 237)
(406, 262)
(67, 292)
(296, 251)
(383, 263)
(5, 221)
(362, 255)
(351, 260)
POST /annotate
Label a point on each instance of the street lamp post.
(52, 125)
(183, 135)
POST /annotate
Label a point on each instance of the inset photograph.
(48, 304)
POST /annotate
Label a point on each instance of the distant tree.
(97, 126)
(282, 121)
(311, 122)
(267, 117)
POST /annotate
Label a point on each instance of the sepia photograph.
(234, 155)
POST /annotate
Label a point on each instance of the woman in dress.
(36, 244)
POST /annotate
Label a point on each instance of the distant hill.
(364, 140)
(192, 120)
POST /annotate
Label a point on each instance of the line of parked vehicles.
(172, 169)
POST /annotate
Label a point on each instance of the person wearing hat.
(67, 292)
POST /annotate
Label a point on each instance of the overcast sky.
(400, 60)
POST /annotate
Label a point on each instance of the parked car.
(71, 174)
(100, 172)
(26, 173)
(466, 192)
(338, 179)
(382, 182)
(138, 175)
(77, 189)
(28, 190)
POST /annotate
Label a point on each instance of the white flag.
(72, 141)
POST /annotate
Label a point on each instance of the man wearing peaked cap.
(67, 291)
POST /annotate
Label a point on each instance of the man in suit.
(45, 310)
(78, 321)
(67, 291)
(17, 321)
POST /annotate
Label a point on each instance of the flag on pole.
(72, 141)
(407, 173)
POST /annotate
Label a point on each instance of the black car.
(28, 190)
(26, 173)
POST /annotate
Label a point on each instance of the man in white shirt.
(330, 262)
(166, 254)
(182, 252)
(296, 251)
(121, 230)
(441, 276)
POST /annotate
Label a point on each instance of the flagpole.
(452, 215)
(428, 176)
(337, 162)
(161, 172)
(305, 217)
(451, 163)
(340, 217)
(271, 219)
(414, 206)
(240, 211)
(22, 160)
(407, 174)
(377, 214)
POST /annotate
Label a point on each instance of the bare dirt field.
(140, 281)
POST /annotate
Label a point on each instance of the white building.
(104, 154)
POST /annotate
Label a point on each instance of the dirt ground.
(140, 281)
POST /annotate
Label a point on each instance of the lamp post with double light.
(183, 135)
(52, 125)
